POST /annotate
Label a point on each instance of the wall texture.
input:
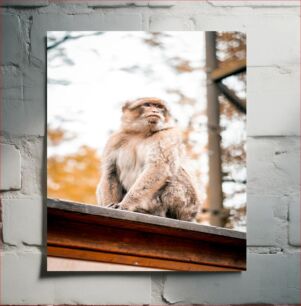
(273, 274)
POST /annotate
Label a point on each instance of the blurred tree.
(72, 176)
(56, 51)
(231, 47)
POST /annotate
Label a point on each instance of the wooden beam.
(215, 193)
(232, 97)
(101, 234)
(218, 74)
(133, 260)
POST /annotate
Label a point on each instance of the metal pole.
(215, 194)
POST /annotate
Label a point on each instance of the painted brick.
(24, 3)
(22, 221)
(157, 280)
(266, 214)
(10, 161)
(113, 3)
(273, 165)
(141, 3)
(122, 22)
(274, 40)
(167, 23)
(12, 106)
(11, 84)
(154, 3)
(33, 167)
(294, 221)
(13, 46)
(23, 93)
(24, 281)
(33, 122)
(260, 220)
(273, 91)
(269, 279)
(237, 3)
(89, 22)
(217, 22)
(150, 3)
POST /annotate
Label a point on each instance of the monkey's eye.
(147, 104)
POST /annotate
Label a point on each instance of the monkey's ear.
(126, 105)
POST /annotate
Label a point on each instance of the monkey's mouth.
(153, 116)
(153, 119)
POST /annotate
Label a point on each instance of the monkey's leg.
(187, 214)
(180, 201)
(142, 193)
(155, 207)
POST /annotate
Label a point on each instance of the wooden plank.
(232, 97)
(231, 68)
(215, 192)
(70, 234)
(90, 230)
(67, 264)
(91, 213)
(141, 227)
(132, 260)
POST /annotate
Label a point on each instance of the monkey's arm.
(109, 189)
(161, 164)
(141, 193)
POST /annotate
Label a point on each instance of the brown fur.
(143, 165)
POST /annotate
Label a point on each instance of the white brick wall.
(172, 23)
(273, 100)
(273, 274)
(251, 3)
(22, 226)
(270, 278)
(13, 47)
(25, 282)
(294, 220)
(24, 3)
(10, 171)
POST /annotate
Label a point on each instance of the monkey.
(142, 165)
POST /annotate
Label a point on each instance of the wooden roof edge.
(143, 218)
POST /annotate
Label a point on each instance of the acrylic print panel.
(146, 157)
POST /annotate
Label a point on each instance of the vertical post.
(215, 195)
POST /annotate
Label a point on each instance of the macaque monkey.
(142, 165)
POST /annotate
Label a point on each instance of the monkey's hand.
(114, 205)
(122, 206)
(117, 206)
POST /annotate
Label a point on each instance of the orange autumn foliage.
(74, 177)
(56, 136)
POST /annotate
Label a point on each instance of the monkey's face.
(152, 113)
(145, 115)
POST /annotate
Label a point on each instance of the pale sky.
(114, 67)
